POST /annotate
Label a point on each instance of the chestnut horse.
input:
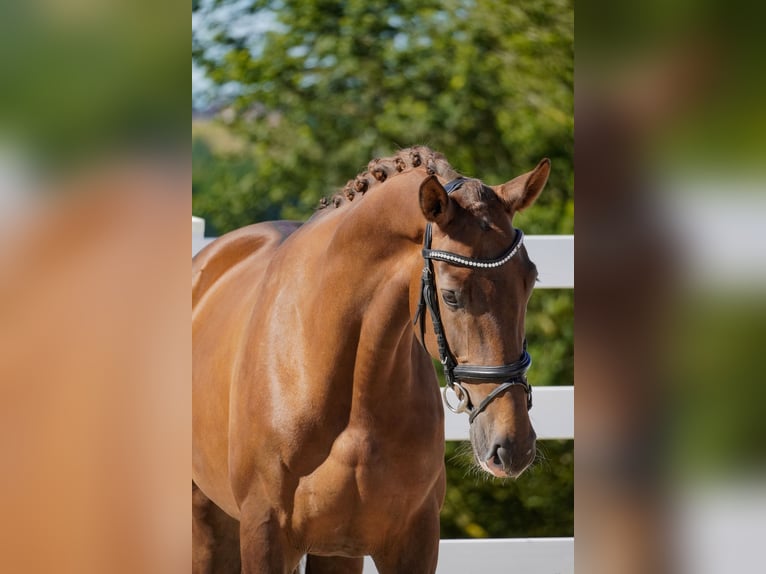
(318, 427)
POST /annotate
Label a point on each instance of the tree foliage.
(324, 86)
(313, 89)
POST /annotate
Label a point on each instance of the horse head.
(471, 301)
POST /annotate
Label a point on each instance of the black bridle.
(504, 375)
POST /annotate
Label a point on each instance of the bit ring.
(462, 397)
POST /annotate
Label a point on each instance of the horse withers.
(318, 427)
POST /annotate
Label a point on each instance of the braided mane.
(380, 169)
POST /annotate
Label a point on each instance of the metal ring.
(462, 397)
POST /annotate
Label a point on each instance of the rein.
(506, 375)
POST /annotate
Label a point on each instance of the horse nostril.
(500, 456)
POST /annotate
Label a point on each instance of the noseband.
(505, 376)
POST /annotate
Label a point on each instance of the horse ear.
(436, 205)
(522, 191)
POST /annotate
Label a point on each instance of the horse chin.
(500, 473)
(493, 471)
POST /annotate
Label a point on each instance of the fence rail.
(523, 555)
(552, 417)
(553, 255)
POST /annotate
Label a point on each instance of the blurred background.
(94, 238)
(671, 270)
(292, 99)
(95, 345)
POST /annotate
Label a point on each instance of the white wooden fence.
(552, 417)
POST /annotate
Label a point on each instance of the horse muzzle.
(506, 458)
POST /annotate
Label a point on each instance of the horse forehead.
(473, 190)
(483, 224)
(479, 201)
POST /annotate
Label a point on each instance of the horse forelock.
(380, 170)
(476, 195)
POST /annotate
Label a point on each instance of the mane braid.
(380, 169)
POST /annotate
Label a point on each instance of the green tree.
(316, 88)
(323, 86)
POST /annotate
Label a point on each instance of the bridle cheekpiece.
(506, 375)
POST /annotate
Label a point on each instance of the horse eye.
(450, 298)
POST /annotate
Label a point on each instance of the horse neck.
(386, 218)
(367, 271)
